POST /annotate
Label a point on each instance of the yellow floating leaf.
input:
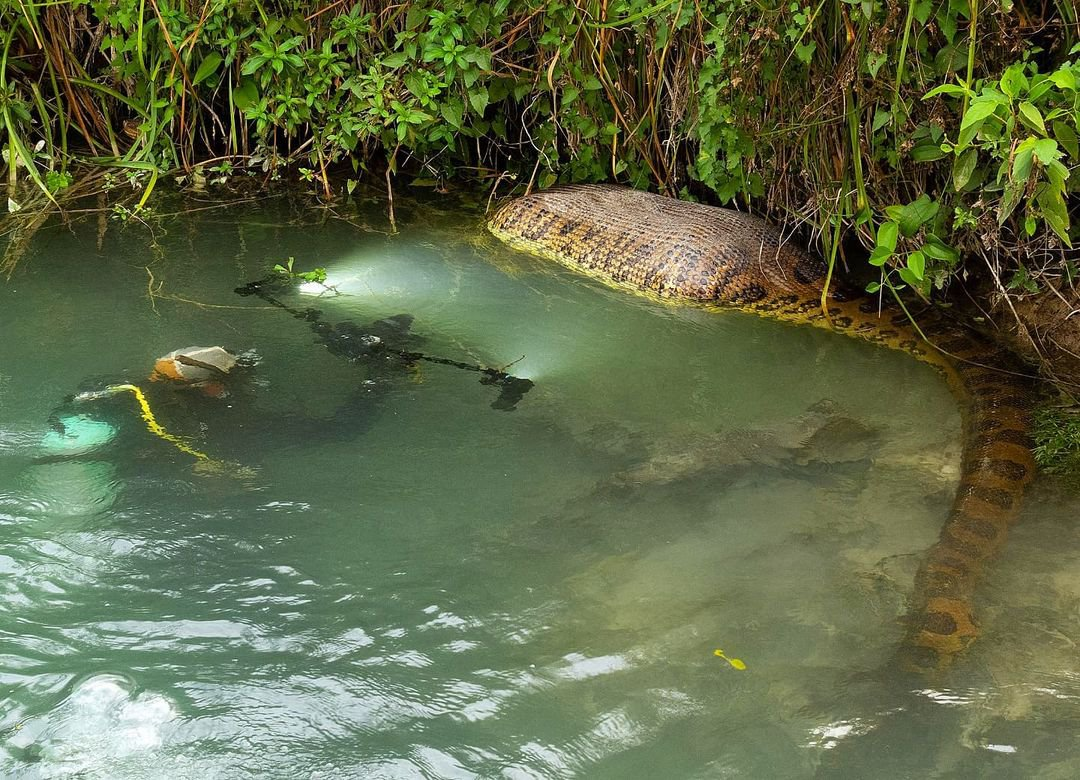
(736, 663)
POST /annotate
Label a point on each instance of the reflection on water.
(410, 583)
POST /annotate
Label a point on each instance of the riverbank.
(939, 138)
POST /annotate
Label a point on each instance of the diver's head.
(203, 368)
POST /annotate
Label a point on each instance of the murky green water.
(413, 584)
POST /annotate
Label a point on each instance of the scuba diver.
(75, 470)
(209, 388)
(195, 402)
(195, 389)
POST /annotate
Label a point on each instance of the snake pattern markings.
(711, 256)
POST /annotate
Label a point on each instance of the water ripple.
(102, 729)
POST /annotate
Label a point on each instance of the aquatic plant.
(287, 272)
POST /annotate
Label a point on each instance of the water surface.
(409, 583)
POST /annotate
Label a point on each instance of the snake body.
(711, 256)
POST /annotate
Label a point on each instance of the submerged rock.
(839, 439)
(822, 435)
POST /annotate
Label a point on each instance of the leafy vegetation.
(940, 135)
(1057, 433)
(285, 271)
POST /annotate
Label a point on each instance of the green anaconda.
(712, 256)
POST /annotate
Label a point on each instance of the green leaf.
(948, 89)
(1038, 89)
(967, 134)
(949, 58)
(1055, 212)
(252, 65)
(879, 257)
(416, 16)
(208, 67)
(395, 60)
(805, 51)
(245, 94)
(1064, 78)
(874, 61)
(909, 277)
(1066, 136)
(927, 153)
(415, 116)
(1009, 201)
(887, 235)
(963, 166)
(916, 263)
(1032, 116)
(978, 111)
(885, 244)
(1013, 81)
(914, 215)
(1022, 161)
(478, 99)
(452, 113)
(416, 84)
(1057, 173)
(936, 249)
(1046, 150)
(881, 118)
(946, 19)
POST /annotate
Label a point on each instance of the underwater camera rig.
(349, 341)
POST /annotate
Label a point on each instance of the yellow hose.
(205, 464)
(153, 425)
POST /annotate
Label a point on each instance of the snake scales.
(680, 250)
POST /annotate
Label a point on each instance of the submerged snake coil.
(688, 251)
